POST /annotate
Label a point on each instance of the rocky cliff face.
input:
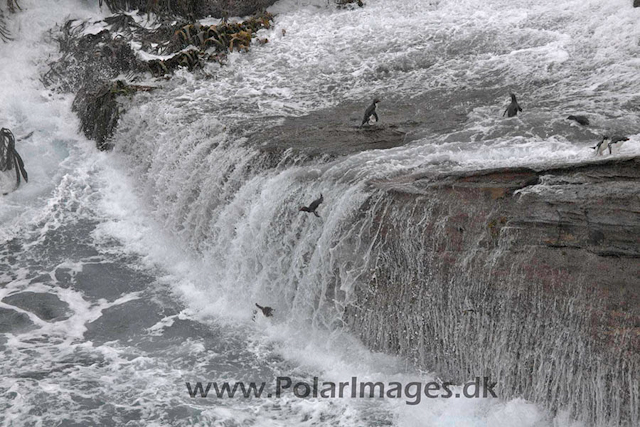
(527, 276)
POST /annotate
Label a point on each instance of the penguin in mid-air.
(267, 311)
(609, 143)
(513, 108)
(580, 119)
(370, 111)
(313, 206)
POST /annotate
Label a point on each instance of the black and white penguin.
(513, 108)
(616, 142)
(370, 111)
(313, 206)
(610, 143)
(580, 119)
(602, 145)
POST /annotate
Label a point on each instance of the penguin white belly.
(603, 147)
(615, 147)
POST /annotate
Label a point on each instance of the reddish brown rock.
(527, 276)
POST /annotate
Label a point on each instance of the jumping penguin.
(267, 311)
(313, 206)
(513, 108)
(370, 111)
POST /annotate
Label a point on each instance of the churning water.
(124, 275)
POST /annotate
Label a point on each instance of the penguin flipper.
(519, 108)
(376, 116)
(20, 163)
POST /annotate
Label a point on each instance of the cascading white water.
(187, 199)
(239, 208)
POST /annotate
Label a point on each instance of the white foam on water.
(52, 151)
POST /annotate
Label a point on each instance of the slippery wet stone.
(46, 306)
(335, 131)
(519, 270)
(14, 322)
(124, 321)
(108, 280)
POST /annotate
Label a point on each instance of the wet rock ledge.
(530, 277)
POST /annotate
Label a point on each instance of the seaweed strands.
(9, 157)
(5, 35)
(222, 38)
(189, 59)
(222, 35)
(99, 110)
(12, 6)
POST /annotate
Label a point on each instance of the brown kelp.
(92, 63)
(9, 157)
(12, 7)
(99, 110)
(222, 38)
(89, 59)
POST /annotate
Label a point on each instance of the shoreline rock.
(526, 276)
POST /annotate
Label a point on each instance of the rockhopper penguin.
(513, 108)
(370, 111)
(313, 206)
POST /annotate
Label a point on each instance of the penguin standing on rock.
(370, 111)
(513, 108)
